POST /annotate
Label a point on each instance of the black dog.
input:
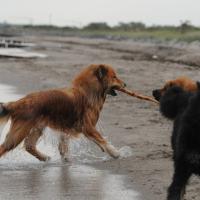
(183, 108)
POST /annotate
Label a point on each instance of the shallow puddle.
(24, 177)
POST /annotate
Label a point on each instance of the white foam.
(125, 151)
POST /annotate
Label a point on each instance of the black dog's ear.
(101, 72)
(198, 85)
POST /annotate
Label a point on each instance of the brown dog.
(71, 111)
(183, 82)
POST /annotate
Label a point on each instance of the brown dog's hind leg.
(30, 144)
(18, 131)
(64, 147)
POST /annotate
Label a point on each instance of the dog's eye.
(114, 77)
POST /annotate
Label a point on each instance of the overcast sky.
(81, 12)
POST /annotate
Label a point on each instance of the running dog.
(71, 111)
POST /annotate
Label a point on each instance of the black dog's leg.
(176, 190)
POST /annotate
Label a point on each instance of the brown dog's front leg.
(92, 134)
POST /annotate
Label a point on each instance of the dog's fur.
(183, 107)
(70, 111)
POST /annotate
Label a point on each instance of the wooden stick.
(139, 96)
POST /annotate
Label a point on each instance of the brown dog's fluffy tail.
(4, 114)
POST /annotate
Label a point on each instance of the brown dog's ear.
(101, 72)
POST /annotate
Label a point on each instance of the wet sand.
(125, 121)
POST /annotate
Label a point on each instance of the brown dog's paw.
(112, 151)
(65, 159)
(47, 158)
(116, 155)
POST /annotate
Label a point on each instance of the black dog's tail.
(4, 113)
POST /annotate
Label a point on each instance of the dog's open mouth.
(112, 91)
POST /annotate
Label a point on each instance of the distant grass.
(152, 33)
(188, 36)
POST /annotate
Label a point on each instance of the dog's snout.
(156, 94)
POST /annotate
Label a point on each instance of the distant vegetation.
(136, 30)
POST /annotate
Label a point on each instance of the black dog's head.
(183, 82)
(174, 101)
